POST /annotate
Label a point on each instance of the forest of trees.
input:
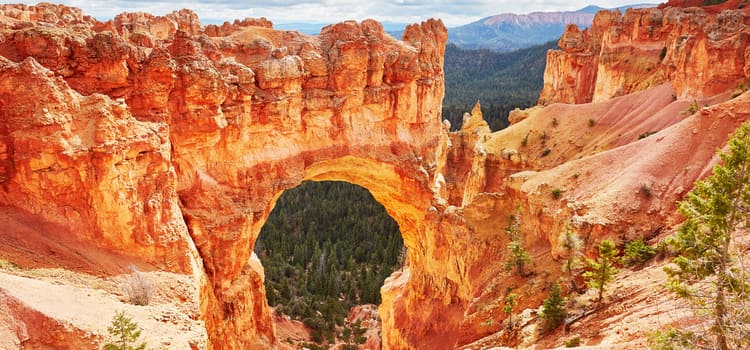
(501, 82)
(326, 247)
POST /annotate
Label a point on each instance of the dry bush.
(138, 288)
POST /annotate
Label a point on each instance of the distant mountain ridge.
(508, 31)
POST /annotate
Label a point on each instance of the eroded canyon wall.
(701, 51)
(170, 142)
(167, 143)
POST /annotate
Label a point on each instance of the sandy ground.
(86, 305)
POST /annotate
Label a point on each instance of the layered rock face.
(159, 142)
(700, 51)
(169, 142)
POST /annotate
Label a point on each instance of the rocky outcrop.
(367, 316)
(169, 142)
(86, 164)
(158, 142)
(700, 51)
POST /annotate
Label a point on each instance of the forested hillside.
(499, 81)
(326, 247)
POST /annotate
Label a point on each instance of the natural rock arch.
(402, 196)
(195, 131)
(165, 142)
(371, 118)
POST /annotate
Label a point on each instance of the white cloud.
(453, 13)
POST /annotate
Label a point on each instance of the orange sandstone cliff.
(700, 51)
(157, 142)
(167, 143)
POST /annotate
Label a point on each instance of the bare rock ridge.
(162, 143)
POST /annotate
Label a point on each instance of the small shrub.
(646, 134)
(741, 88)
(691, 109)
(663, 53)
(712, 2)
(663, 249)
(313, 346)
(138, 288)
(544, 137)
(592, 122)
(556, 193)
(637, 253)
(519, 257)
(510, 302)
(576, 175)
(554, 121)
(572, 244)
(525, 140)
(125, 333)
(7, 265)
(670, 339)
(553, 310)
(573, 342)
(546, 152)
(645, 190)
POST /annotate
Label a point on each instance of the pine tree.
(271, 296)
(125, 332)
(402, 256)
(705, 272)
(519, 257)
(602, 270)
(510, 302)
(553, 309)
(572, 244)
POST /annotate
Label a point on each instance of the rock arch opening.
(326, 249)
(183, 177)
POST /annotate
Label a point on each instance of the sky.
(453, 13)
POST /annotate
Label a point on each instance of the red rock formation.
(166, 144)
(700, 51)
(84, 163)
(125, 120)
(367, 316)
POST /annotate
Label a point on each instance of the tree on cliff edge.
(519, 257)
(707, 270)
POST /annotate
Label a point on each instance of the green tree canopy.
(518, 256)
(125, 333)
(602, 270)
(706, 271)
(553, 309)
